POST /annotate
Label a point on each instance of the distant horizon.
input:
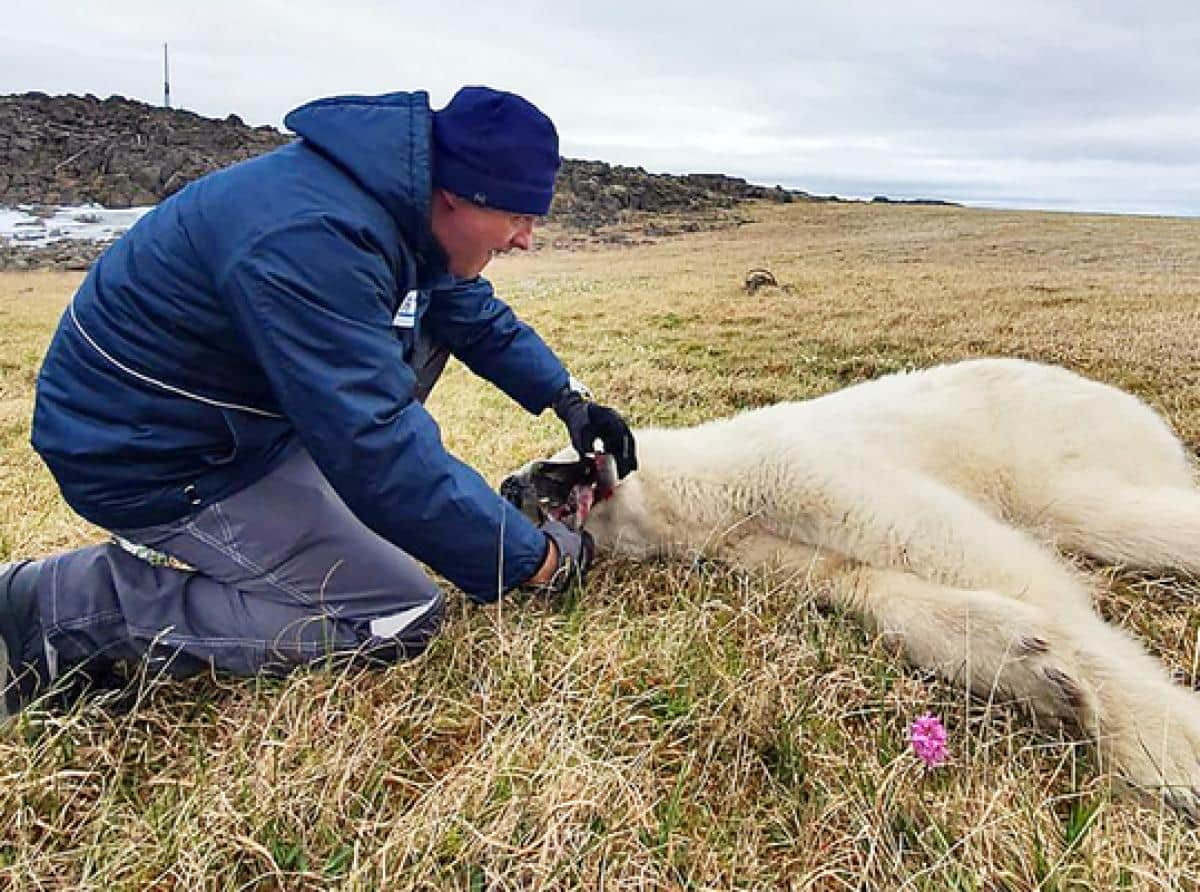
(12, 215)
(855, 188)
(862, 188)
(1025, 105)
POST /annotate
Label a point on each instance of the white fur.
(928, 503)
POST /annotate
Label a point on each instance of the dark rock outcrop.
(117, 152)
(927, 202)
(592, 193)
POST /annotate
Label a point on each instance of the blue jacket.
(277, 302)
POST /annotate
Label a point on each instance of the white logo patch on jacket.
(406, 316)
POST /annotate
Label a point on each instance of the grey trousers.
(284, 575)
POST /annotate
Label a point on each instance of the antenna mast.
(166, 79)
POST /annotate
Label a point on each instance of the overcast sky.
(1081, 106)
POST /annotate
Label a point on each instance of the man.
(236, 391)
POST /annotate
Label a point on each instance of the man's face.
(471, 235)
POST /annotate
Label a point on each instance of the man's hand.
(588, 422)
(568, 558)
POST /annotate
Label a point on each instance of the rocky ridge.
(117, 152)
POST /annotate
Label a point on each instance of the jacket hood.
(385, 143)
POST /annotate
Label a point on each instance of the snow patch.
(86, 222)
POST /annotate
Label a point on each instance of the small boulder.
(759, 277)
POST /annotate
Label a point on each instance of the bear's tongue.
(574, 512)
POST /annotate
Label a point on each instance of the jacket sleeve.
(315, 299)
(483, 332)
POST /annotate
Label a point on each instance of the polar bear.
(933, 505)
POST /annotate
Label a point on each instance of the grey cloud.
(1072, 101)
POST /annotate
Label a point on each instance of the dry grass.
(671, 727)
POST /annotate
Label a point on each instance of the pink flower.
(928, 740)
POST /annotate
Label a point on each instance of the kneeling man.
(236, 390)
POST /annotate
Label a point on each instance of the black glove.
(587, 422)
(575, 553)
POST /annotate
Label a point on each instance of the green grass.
(678, 727)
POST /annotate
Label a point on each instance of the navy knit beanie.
(497, 150)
